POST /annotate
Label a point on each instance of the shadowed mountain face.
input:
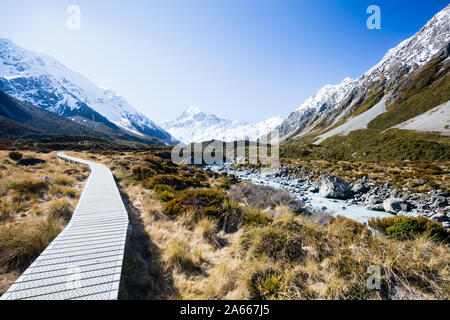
(22, 120)
(44, 82)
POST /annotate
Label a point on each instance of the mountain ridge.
(333, 103)
(42, 81)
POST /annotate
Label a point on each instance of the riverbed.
(300, 190)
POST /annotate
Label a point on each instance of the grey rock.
(376, 207)
(394, 205)
(334, 188)
(359, 188)
(45, 178)
(373, 199)
(439, 202)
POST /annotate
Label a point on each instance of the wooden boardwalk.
(85, 259)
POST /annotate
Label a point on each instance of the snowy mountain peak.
(4, 41)
(333, 102)
(327, 93)
(194, 125)
(417, 50)
(44, 82)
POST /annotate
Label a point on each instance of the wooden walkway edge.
(85, 260)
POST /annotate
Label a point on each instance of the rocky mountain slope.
(19, 120)
(194, 125)
(44, 82)
(334, 104)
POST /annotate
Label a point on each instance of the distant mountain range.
(423, 57)
(43, 82)
(194, 125)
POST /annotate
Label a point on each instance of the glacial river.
(312, 200)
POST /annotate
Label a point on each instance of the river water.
(312, 200)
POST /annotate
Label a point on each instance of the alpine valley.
(355, 207)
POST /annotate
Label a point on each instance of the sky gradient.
(239, 59)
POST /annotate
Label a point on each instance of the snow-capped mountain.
(44, 82)
(194, 125)
(334, 102)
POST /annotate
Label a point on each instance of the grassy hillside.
(427, 89)
(373, 144)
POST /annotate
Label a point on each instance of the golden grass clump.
(177, 255)
(208, 228)
(21, 243)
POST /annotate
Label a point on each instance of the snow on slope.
(42, 81)
(194, 125)
(435, 120)
(334, 101)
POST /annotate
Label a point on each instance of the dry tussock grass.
(36, 203)
(179, 258)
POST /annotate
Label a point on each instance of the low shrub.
(265, 283)
(164, 193)
(174, 181)
(272, 242)
(401, 227)
(60, 209)
(64, 181)
(15, 155)
(263, 197)
(223, 183)
(142, 173)
(201, 203)
(30, 161)
(254, 217)
(31, 186)
(159, 165)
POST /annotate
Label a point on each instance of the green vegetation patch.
(420, 94)
(201, 203)
(272, 242)
(401, 228)
(372, 144)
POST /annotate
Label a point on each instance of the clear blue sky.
(239, 59)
